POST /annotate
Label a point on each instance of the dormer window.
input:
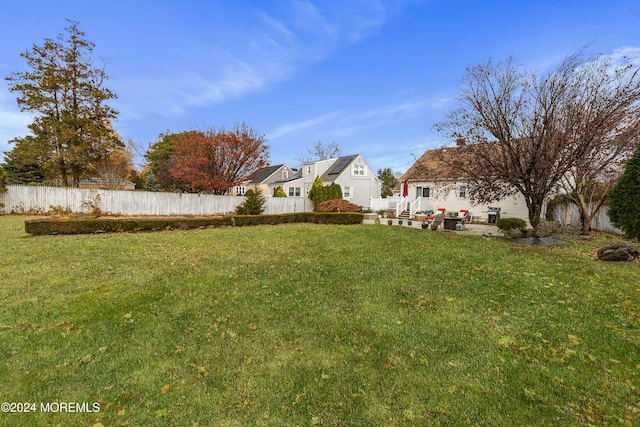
(358, 170)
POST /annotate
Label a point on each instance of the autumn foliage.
(337, 205)
(216, 159)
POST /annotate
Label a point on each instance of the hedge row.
(45, 226)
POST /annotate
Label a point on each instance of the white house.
(431, 183)
(261, 179)
(357, 180)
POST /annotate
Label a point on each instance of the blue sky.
(373, 76)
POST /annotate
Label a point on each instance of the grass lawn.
(316, 325)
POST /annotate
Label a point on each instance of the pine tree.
(3, 180)
(254, 203)
(71, 129)
(624, 199)
(20, 168)
(152, 183)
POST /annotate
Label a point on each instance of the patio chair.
(431, 216)
(439, 218)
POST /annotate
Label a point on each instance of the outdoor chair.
(437, 221)
(432, 217)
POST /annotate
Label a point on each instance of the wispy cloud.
(273, 48)
(296, 127)
(343, 123)
(625, 54)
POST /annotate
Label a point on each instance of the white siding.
(445, 196)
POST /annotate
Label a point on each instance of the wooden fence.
(569, 215)
(23, 199)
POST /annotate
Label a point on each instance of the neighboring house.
(357, 180)
(262, 178)
(111, 182)
(430, 184)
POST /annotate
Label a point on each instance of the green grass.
(316, 325)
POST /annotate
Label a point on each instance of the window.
(423, 192)
(239, 191)
(346, 192)
(294, 191)
(358, 170)
(462, 192)
(285, 174)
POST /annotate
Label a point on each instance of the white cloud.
(625, 54)
(343, 123)
(270, 51)
(289, 128)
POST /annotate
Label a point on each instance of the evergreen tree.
(388, 181)
(624, 199)
(71, 129)
(254, 203)
(152, 183)
(3, 180)
(333, 191)
(279, 192)
(21, 168)
(317, 194)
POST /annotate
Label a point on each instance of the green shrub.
(318, 192)
(44, 226)
(505, 224)
(279, 192)
(333, 191)
(254, 203)
(334, 217)
(111, 225)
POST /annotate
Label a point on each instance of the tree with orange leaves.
(216, 159)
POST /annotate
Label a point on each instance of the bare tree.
(605, 119)
(320, 151)
(524, 133)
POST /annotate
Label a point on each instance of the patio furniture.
(437, 221)
(451, 223)
(431, 216)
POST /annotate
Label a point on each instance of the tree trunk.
(585, 219)
(535, 211)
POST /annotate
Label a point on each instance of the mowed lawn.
(316, 325)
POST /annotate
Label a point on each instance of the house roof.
(262, 174)
(108, 180)
(437, 164)
(337, 168)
